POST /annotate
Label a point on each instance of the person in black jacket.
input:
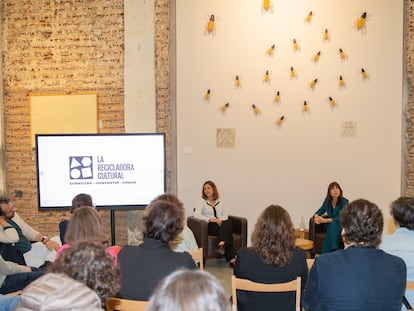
(359, 277)
(143, 266)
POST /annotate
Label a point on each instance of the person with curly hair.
(272, 258)
(143, 266)
(185, 240)
(189, 290)
(328, 216)
(359, 277)
(83, 277)
(90, 264)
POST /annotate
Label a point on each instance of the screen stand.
(112, 227)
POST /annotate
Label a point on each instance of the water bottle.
(302, 224)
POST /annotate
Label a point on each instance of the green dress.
(333, 229)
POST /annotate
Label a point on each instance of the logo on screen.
(80, 167)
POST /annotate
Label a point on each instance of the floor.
(221, 270)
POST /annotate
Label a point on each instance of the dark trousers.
(9, 252)
(225, 233)
(18, 281)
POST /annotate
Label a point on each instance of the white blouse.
(205, 210)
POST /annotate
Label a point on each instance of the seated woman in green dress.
(328, 216)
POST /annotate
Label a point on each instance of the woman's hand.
(3, 222)
(317, 219)
(321, 220)
(216, 220)
(52, 245)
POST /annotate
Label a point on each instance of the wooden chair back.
(309, 262)
(125, 304)
(247, 285)
(198, 256)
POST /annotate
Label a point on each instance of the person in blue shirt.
(328, 216)
(401, 242)
(8, 303)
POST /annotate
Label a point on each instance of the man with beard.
(14, 230)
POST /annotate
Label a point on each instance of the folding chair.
(198, 256)
(125, 304)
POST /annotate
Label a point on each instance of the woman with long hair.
(272, 258)
(86, 226)
(81, 199)
(328, 215)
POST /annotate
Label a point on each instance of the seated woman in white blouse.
(212, 210)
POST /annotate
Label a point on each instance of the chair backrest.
(309, 262)
(198, 256)
(247, 285)
(125, 304)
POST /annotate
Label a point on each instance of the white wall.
(293, 164)
(139, 66)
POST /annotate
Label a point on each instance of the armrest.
(311, 229)
(200, 231)
(314, 228)
(240, 227)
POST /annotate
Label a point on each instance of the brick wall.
(57, 47)
(408, 132)
(163, 79)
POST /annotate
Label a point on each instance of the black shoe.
(219, 250)
(232, 262)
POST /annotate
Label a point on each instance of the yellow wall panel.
(63, 114)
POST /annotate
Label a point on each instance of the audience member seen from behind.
(185, 241)
(212, 210)
(14, 277)
(90, 264)
(186, 290)
(143, 266)
(272, 258)
(82, 278)
(86, 226)
(401, 242)
(55, 291)
(328, 215)
(359, 277)
(82, 199)
(13, 229)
